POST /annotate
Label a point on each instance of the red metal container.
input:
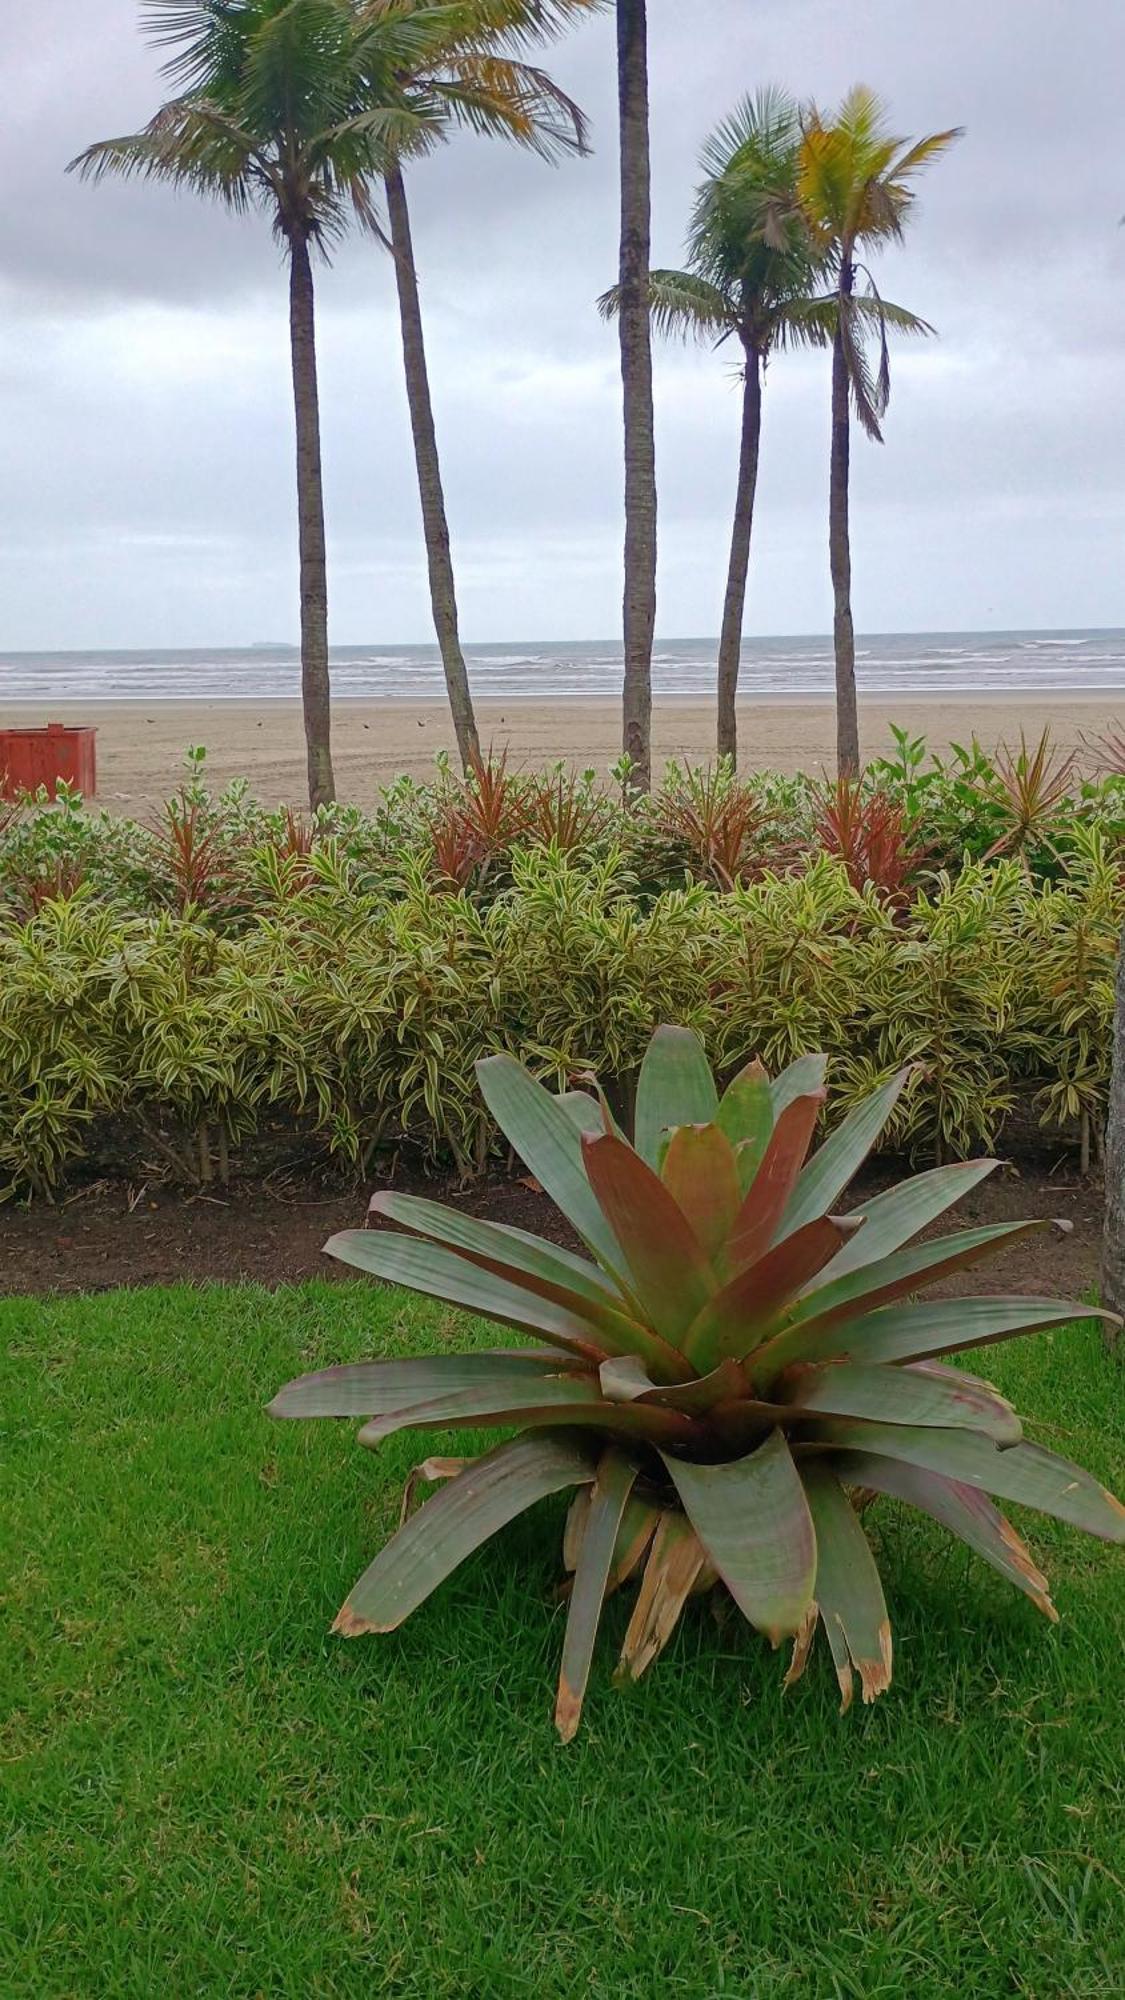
(33, 757)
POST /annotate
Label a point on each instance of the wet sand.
(141, 744)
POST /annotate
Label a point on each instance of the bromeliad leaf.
(733, 1360)
(1025, 1472)
(700, 1172)
(675, 1087)
(442, 1274)
(848, 1591)
(835, 1164)
(668, 1268)
(733, 1322)
(549, 1142)
(891, 1219)
(860, 1292)
(557, 1274)
(745, 1114)
(536, 1402)
(753, 1520)
(926, 1394)
(455, 1522)
(377, 1388)
(927, 1327)
(768, 1195)
(803, 1078)
(674, 1564)
(964, 1510)
(609, 1499)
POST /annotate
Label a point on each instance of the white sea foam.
(920, 663)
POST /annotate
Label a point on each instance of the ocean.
(914, 663)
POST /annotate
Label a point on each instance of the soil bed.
(273, 1231)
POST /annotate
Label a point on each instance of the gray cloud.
(144, 374)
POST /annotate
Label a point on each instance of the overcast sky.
(145, 421)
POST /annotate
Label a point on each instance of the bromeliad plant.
(731, 1365)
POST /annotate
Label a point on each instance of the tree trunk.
(840, 554)
(1113, 1248)
(310, 527)
(443, 592)
(734, 608)
(636, 377)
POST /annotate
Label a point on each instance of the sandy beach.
(141, 743)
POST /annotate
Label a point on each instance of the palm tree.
(288, 106)
(1113, 1248)
(636, 378)
(473, 79)
(750, 276)
(855, 186)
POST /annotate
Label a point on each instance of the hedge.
(352, 1017)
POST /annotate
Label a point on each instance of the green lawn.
(204, 1793)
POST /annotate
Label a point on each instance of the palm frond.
(496, 96)
(510, 27)
(682, 306)
(188, 144)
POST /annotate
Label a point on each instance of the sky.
(146, 444)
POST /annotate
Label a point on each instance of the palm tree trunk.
(1113, 1249)
(310, 527)
(435, 526)
(734, 608)
(840, 556)
(636, 377)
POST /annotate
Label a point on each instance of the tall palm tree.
(636, 379)
(288, 106)
(855, 183)
(1113, 1246)
(473, 79)
(750, 277)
